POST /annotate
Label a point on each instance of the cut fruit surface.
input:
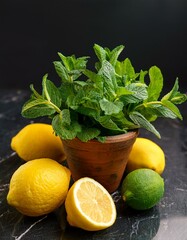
(89, 205)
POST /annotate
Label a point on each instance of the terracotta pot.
(104, 162)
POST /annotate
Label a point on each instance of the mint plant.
(111, 100)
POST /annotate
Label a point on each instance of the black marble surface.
(166, 221)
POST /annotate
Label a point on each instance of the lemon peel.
(146, 154)
(37, 140)
(38, 187)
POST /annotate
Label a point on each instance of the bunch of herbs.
(111, 100)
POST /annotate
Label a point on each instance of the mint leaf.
(73, 63)
(86, 111)
(97, 79)
(74, 74)
(139, 90)
(109, 80)
(66, 61)
(87, 134)
(153, 110)
(66, 89)
(125, 68)
(51, 92)
(36, 94)
(141, 121)
(107, 123)
(107, 70)
(162, 108)
(61, 71)
(80, 63)
(172, 93)
(172, 108)
(37, 108)
(66, 118)
(174, 96)
(70, 68)
(156, 83)
(122, 121)
(163, 111)
(123, 91)
(139, 93)
(111, 107)
(142, 76)
(63, 130)
(101, 139)
(85, 102)
(105, 53)
(114, 54)
(179, 98)
(128, 68)
(100, 52)
(42, 105)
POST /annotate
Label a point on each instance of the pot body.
(104, 162)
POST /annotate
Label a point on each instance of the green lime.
(142, 189)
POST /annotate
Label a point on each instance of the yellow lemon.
(38, 140)
(146, 154)
(89, 205)
(38, 187)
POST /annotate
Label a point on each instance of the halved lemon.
(89, 205)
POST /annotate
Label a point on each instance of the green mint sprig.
(111, 100)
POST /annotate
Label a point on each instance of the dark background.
(154, 32)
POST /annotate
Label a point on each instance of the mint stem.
(54, 106)
(148, 103)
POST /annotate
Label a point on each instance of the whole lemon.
(146, 154)
(38, 140)
(38, 187)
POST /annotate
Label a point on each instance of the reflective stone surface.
(166, 221)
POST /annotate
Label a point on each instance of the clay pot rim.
(120, 137)
(110, 139)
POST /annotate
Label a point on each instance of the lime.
(142, 189)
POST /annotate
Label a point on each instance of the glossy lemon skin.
(37, 140)
(146, 154)
(38, 187)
